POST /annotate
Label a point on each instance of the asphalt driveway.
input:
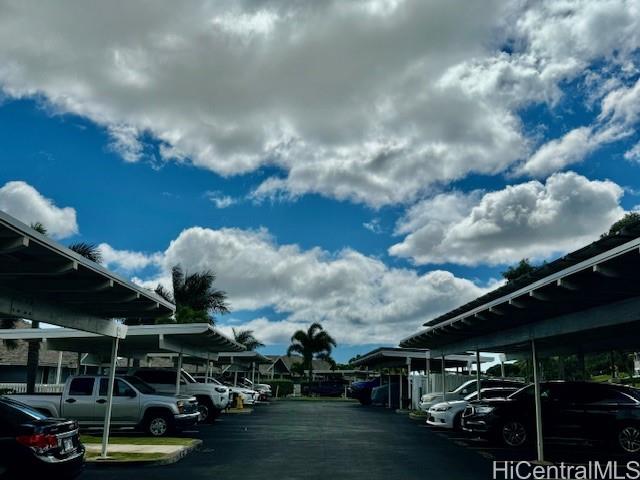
(315, 440)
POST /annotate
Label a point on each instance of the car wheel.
(158, 425)
(206, 410)
(629, 439)
(514, 434)
(457, 422)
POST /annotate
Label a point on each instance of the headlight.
(442, 408)
(483, 409)
(221, 389)
(180, 405)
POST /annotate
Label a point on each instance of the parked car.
(324, 389)
(361, 391)
(429, 399)
(249, 397)
(585, 410)
(33, 444)
(135, 404)
(449, 414)
(380, 395)
(263, 389)
(212, 398)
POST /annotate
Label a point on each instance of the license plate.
(67, 444)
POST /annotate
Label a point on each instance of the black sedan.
(32, 443)
(570, 410)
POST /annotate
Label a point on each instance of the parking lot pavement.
(316, 440)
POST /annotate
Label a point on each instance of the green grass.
(91, 439)
(128, 457)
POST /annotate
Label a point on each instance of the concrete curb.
(169, 459)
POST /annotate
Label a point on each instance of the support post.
(178, 372)
(253, 373)
(428, 372)
(208, 372)
(400, 389)
(107, 413)
(409, 385)
(389, 393)
(78, 366)
(59, 369)
(478, 380)
(502, 369)
(444, 380)
(536, 385)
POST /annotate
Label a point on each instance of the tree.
(630, 219)
(314, 343)
(194, 296)
(39, 227)
(522, 268)
(89, 251)
(246, 338)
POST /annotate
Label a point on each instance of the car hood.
(180, 396)
(452, 403)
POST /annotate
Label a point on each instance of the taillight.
(39, 441)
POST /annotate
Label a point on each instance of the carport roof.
(242, 358)
(588, 298)
(195, 339)
(394, 357)
(43, 280)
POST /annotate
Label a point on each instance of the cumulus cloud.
(371, 101)
(532, 219)
(633, 154)
(24, 202)
(220, 200)
(357, 297)
(127, 260)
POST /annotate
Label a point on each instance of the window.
(81, 386)
(120, 388)
(602, 394)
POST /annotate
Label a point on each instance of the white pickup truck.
(135, 404)
(212, 399)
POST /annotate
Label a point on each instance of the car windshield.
(470, 385)
(523, 392)
(140, 385)
(187, 376)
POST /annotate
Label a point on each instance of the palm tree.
(246, 338)
(194, 296)
(314, 343)
(89, 251)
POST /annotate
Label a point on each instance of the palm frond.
(89, 251)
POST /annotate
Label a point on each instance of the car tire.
(513, 434)
(628, 439)
(158, 424)
(208, 412)
(457, 422)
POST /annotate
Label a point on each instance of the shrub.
(284, 387)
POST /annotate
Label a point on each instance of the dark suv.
(570, 410)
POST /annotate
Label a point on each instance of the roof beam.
(567, 284)
(516, 304)
(606, 271)
(539, 296)
(10, 245)
(41, 270)
(75, 286)
(496, 311)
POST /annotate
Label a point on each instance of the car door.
(601, 404)
(79, 401)
(126, 402)
(561, 411)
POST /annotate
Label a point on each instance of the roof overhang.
(42, 280)
(195, 339)
(387, 357)
(591, 305)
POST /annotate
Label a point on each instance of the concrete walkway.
(95, 447)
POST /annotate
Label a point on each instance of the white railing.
(40, 388)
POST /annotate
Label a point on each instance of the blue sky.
(369, 196)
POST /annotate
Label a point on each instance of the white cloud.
(356, 297)
(532, 219)
(219, 200)
(24, 202)
(373, 225)
(125, 259)
(633, 154)
(371, 101)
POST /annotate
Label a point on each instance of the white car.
(263, 388)
(429, 399)
(249, 397)
(448, 414)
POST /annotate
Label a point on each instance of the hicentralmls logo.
(590, 471)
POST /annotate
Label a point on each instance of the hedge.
(283, 387)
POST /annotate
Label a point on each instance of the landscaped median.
(139, 450)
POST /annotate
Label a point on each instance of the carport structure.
(242, 362)
(41, 280)
(413, 359)
(586, 301)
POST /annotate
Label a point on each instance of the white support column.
(536, 384)
(478, 380)
(444, 380)
(428, 372)
(59, 369)
(409, 385)
(107, 413)
(389, 393)
(178, 372)
(253, 372)
(400, 389)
